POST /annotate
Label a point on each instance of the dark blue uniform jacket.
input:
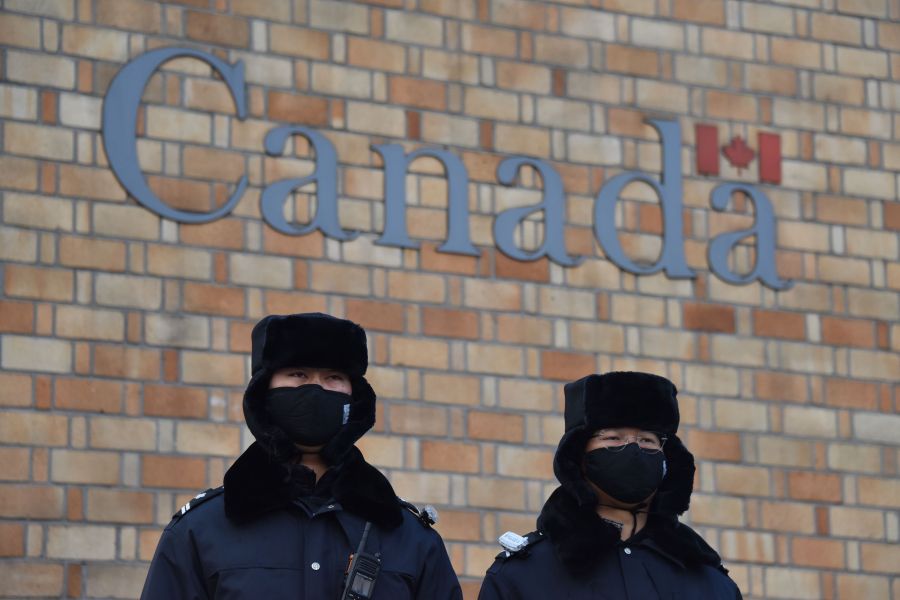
(278, 536)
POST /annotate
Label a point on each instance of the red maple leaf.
(738, 152)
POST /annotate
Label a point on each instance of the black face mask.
(629, 475)
(309, 414)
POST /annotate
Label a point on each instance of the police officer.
(301, 500)
(611, 530)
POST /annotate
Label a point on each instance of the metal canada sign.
(120, 111)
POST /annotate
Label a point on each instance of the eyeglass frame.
(633, 439)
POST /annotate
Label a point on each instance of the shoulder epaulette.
(428, 515)
(198, 500)
(514, 544)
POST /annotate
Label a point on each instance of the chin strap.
(640, 508)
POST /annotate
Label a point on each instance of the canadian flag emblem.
(738, 153)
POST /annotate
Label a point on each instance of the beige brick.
(563, 114)
(136, 15)
(784, 452)
(874, 304)
(513, 461)
(854, 458)
(523, 77)
(662, 96)
(422, 488)
(373, 118)
(76, 110)
(451, 389)
(788, 516)
(588, 23)
(566, 303)
(443, 129)
(94, 42)
(41, 69)
(810, 422)
(561, 51)
(860, 182)
(18, 173)
(179, 262)
(766, 18)
(492, 295)
(747, 546)
(215, 369)
(86, 323)
(879, 492)
(126, 221)
(742, 481)
(638, 309)
(81, 542)
(880, 558)
(720, 42)
(799, 53)
(668, 344)
(178, 125)
(109, 580)
(859, 523)
(208, 438)
(35, 354)
(834, 88)
(717, 510)
(382, 451)
(87, 182)
(122, 434)
(867, 8)
(433, 354)
(496, 493)
(33, 429)
(836, 28)
(342, 279)
(411, 28)
(128, 291)
(307, 43)
(790, 583)
(340, 16)
(877, 427)
(597, 337)
(180, 331)
(862, 586)
(416, 287)
(18, 244)
(742, 415)
(35, 579)
(491, 358)
(701, 70)
(341, 81)
(38, 141)
(514, 138)
(806, 358)
(718, 381)
(528, 395)
(656, 34)
(446, 66)
(77, 466)
(866, 123)
(18, 102)
(491, 104)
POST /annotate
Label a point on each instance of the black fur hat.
(308, 340)
(624, 399)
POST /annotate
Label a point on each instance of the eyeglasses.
(647, 441)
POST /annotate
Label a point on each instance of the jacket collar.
(256, 484)
(580, 537)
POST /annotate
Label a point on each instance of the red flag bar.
(769, 157)
(707, 137)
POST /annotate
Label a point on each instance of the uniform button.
(316, 566)
(627, 550)
(330, 506)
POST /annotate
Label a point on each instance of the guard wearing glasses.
(302, 515)
(611, 530)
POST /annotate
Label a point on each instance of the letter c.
(120, 108)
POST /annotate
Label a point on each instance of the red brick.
(93, 395)
(847, 393)
(181, 194)
(702, 11)
(780, 386)
(224, 233)
(420, 93)
(848, 332)
(217, 29)
(213, 299)
(298, 108)
(12, 539)
(812, 552)
(450, 456)
(173, 472)
(175, 401)
(714, 445)
(450, 323)
(43, 284)
(92, 254)
(779, 324)
(31, 502)
(311, 245)
(502, 427)
(566, 366)
(16, 317)
(380, 316)
(432, 260)
(708, 317)
(892, 215)
(634, 61)
(126, 363)
(532, 270)
(805, 485)
(119, 506)
(239, 336)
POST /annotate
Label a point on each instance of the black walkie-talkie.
(362, 572)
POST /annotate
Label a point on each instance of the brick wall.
(124, 337)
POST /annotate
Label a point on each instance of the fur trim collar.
(580, 537)
(256, 484)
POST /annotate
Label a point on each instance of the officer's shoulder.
(518, 546)
(196, 501)
(426, 516)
